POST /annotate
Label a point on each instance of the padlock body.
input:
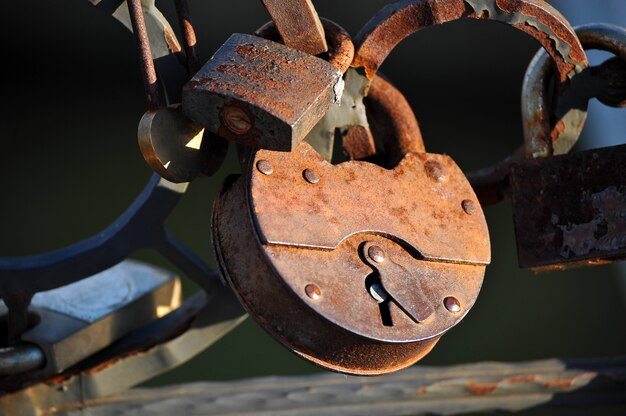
(293, 251)
(261, 93)
(570, 210)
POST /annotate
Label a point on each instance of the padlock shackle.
(538, 106)
(395, 121)
(298, 24)
(340, 52)
(538, 19)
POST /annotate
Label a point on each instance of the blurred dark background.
(70, 164)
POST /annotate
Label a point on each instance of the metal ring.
(538, 19)
(536, 100)
(341, 49)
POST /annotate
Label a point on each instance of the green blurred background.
(70, 164)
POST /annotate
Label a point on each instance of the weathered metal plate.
(261, 93)
(84, 317)
(341, 277)
(282, 312)
(570, 210)
(419, 202)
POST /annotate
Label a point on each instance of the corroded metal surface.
(298, 24)
(394, 119)
(571, 210)
(341, 48)
(570, 108)
(419, 391)
(537, 18)
(307, 213)
(418, 202)
(261, 93)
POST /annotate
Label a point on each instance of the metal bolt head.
(237, 120)
(265, 167)
(311, 176)
(376, 253)
(452, 304)
(469, 206)
(435, 171)
(313, 291)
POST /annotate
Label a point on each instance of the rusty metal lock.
(357, 268)
(261, 93)
(570, 210)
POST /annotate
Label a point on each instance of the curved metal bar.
(341, 50)
(299, 25)
(536, 18)
(491, 184)
(570, 108)
(20, 359)
(165, 48)
(139, 227)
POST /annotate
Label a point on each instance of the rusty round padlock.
(357, 268)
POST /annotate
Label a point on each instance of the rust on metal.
(276, 94)
(569, 108)
(189, 36)
(393, 243)
(358, 142)
(298, 25)
(395, 121)
(145, 55)
(341, 48)
(397, 21)
(326, 217)
(570, 210)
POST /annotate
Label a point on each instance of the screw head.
(452, 304)
(311, 176)
(313, 291)
(469, 206)
(376, 253)
(237, 120)
(265, 167)
(435, 171)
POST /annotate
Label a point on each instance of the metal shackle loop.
(571, 111)
(538, 19)
(341, 47)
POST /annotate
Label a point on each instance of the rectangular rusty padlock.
(570, 210)
(261, 93)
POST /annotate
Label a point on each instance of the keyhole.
(375, 289)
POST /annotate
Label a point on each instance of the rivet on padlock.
(261, 93)
(570, 210)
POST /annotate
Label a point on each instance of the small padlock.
(261, 93)
(357, 268)
(73, 322)
(570, 210)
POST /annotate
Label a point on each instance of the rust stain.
(481, 389)
(170, 39)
